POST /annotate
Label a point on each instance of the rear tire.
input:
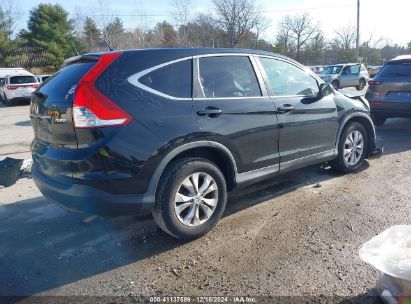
(178, 210)
(378, 120)
(8, 102)
(352, 148)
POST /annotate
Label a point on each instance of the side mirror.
(325, 90)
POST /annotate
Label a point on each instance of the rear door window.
(22, 79)
(228, 76)
(174, 80)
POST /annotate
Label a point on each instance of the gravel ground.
(295, 236)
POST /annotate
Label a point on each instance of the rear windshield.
(396, 70)
(22, 79)
(58, 86)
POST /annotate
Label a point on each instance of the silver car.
(346, 75)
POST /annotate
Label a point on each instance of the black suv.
(389, 93)
(171, 131)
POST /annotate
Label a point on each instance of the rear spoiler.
(80, 58)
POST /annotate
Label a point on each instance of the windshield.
(332, 69)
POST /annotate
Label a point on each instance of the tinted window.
(396, 70)
(228, 76)
(351, 69)
(1, 81)
(22, 79)
(60, 83)
(334, 69)
(173, 79)
(288, 80)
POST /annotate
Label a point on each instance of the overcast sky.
(389, 20)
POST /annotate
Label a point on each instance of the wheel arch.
(210, 150)
(363, 119)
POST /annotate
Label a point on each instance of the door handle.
(210, 111)
(285, 108)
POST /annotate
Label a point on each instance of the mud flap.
(9, 171)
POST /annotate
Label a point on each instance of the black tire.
(339, 164)
(7, 102)
(362, 85)
(164, 213)
(378, 120)
(335, 84)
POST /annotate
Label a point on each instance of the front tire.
(191, 198)
(336, 84)
(362, 85)
(352, 148)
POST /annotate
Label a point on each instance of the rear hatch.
(52, 118)
(22, 85)
(391, 87)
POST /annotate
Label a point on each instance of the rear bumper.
(390, 112)
(81, 198)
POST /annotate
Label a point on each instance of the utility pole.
(358, 32)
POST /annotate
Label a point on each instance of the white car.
(18, 86)
(42, 78)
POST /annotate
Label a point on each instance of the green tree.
(114, 33)
(50, 29)
(314, 51)
(91, 35)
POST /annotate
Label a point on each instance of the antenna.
(74, 46)
(105, 41)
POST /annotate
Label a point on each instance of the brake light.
(11, 87)
(35, 85)
(91, 108)
(373, 83)
(375, 103)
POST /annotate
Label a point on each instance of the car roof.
(188, 52)
(400, 58)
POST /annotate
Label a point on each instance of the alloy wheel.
(196, 199)
(353, 148)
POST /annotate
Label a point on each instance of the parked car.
(172, 131)
(389, 92)
(316, 69)
(18, 86)
(42, 78)
(3, 73)
(346, 75)
(373, 70)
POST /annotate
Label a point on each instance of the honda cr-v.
(172, 131)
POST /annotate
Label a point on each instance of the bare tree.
(236, 18)
(182, 16)
(260, 27)
(301, 29)
(10, 16)
(345, 37)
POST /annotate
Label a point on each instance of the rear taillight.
(374, 83)
(11, 87)
(91, 108)
(35, 85)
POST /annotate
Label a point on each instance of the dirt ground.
(294, 236)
